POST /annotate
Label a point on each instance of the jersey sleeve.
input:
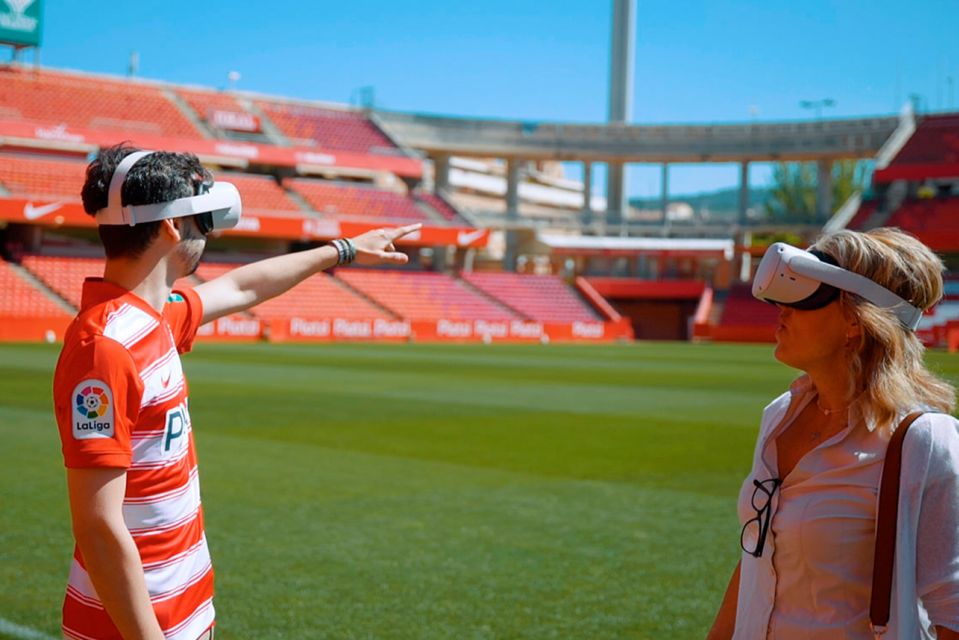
(96, 400)
(184, 312)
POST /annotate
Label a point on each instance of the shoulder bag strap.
(886, 529)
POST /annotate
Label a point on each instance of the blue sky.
(696, 60)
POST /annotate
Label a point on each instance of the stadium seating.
(319, 296)
(32, 176)
(261, 194)
(425, 295)
(935, 140)
(442, 207)
(543, 298)
(225, 116)
(866, 209)
(332, 129)
(742, 309)
(202, 102)
(48, 97)
(64, 275)
(22, 299)
(941, 314)
(342, 201)
(937, 215)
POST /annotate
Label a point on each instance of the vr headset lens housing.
(217, 209)
(811, 280)
(204, 222)
(777, 284)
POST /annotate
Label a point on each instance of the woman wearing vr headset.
(141, 566)
(848, 310)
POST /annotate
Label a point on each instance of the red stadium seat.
(866, 209)
(343, 201)
(319, 296)
(261, 194)
(927, 216)
(442, 207)
(935, 140)
(88, 102)
(543, 298)
(22, 299)
(424, 295)
(35, 177)
(333, 129)
(64, 275)
(742, 309)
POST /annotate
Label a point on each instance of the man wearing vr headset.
(849, 308)
(141, 566)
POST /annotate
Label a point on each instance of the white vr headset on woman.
(222, 202)
(811, 280)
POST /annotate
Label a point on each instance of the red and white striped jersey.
(121, 401)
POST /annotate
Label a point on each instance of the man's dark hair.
(158, 177)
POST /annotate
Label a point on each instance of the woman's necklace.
(817, 435)
(827, 412)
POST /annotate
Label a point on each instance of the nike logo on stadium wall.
(464, 238)
(31, 212)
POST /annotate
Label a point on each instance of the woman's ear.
(853, 329)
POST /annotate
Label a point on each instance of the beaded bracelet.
(345, 250)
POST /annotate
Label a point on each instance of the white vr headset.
(222, 202)
(806, 280)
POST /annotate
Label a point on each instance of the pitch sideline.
(20, 632)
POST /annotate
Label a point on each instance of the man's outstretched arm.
(109, 554)
(251, 284)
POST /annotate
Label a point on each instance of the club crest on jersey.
(92, 410)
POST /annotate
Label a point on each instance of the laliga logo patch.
(92, 410)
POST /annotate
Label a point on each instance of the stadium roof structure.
(822, 141)
(600, 245)
(751, 142)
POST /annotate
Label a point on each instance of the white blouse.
(814, 577)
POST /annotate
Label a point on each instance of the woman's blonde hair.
(887, 371)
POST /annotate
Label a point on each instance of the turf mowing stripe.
(15, 630)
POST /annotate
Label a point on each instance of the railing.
(845, 214)
(899, 137)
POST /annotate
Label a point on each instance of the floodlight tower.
(622, 50)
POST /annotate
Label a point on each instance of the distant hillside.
(713, 203)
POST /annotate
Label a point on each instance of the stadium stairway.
(895, 196)
(442, 208)
(431, 214)
(39, 287)
(359, 293)
(716, 310)
(188, 113)
(422, 295)
(300, 201)
(542, 298)
(63, 275)
(491, 298)
(270, 130)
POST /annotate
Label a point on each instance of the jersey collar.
(97, 291)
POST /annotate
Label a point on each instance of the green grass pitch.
(427, 491)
